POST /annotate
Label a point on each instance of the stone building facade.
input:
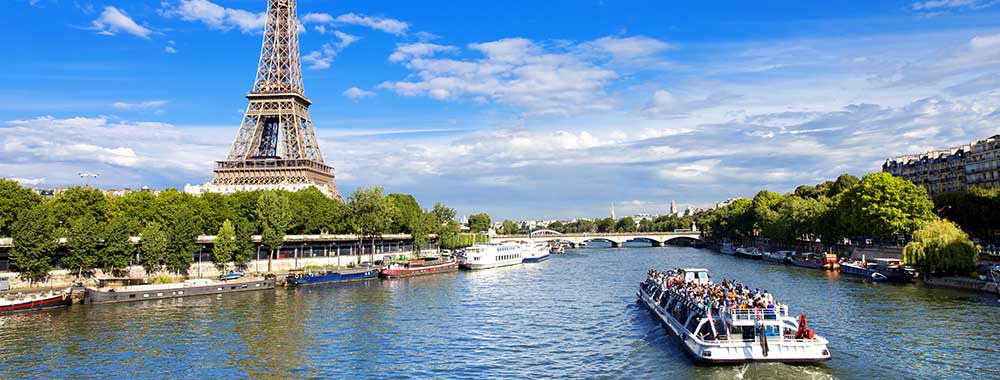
(954, 169)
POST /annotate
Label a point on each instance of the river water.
(573, 316)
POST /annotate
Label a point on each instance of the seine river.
(574, 316)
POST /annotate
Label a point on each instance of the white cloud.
(934, 5)
(113, 21)
(217, 16)
(170, 48)
(318, 18)
(513, 71)
(417, 50)
(140, 105)
(345, 39)
(322, 59)
(627, 48)
(388, 25)
(357, 93)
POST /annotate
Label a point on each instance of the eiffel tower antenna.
(276, 146)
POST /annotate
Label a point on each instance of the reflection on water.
(574, 316)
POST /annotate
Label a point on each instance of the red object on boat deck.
(803, 332)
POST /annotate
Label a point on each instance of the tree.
(183, 244)
(13, 200)
(509, 227)
(116, 254)
(80, 201)
(425, 224)
(314, 213)
(442, 213)
(155, 247)
(606, 225)
(480, 222)
(406, 212)
(940, 246)
(213, 209)
(626, 224)
(274, 214)
(225, 244)
(884, 206)
(82, 244)
(244, 249)
(371, 214)
(34, 241)
(138, 207)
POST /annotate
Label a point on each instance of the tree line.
(96, 228)
(878, 207)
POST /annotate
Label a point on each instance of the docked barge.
(33, 302)
(419, 268)
(124, 290)
(727, 335)
(302, 278)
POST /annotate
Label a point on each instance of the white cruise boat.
(536, 252)
(484, 256)
(729, 336)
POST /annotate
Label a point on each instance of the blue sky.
(523, 109)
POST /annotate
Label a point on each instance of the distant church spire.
(613, 211)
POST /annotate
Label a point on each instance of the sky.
(522, 109)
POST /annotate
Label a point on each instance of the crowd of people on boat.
(726, 296)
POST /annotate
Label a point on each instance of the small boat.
(727, 248)
(808, 260)
(300, 277)
(781, 257)
(536, 253)
(750, 253)
(557, 249)
(882, 270)
(726, 335)
(231, 276)
(419, 267)
(37, 301)
(114, 290)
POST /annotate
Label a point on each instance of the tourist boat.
(419, 267)
(37, 301)
(730, 336)
(485, 256)
(300, 277)
(750, 253)
(781, 257)
(535, 253)
(728, 249)
(126, 290)
(882, 270)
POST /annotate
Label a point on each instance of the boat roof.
(694, 270)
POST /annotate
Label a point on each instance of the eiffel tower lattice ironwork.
(276, 145)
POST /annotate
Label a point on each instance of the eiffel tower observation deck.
(276, 146)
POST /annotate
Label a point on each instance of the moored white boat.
(721, 335)
(535, 252)
(485, 256)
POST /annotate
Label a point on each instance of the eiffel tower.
(276, 147)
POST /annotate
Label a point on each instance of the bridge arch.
(545, 233)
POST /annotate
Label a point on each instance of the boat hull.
(333, 278)
(528, 260)
(419, 271)
(54, 302)
(736, 352)
(875, 275)
(498, 264)
(95, 296)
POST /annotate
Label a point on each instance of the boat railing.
(759, 313)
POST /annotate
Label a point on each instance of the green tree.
(225, 244)
(274, 214)
(371, 214)
(443, 213)
(406, 212)
(213, 209)
(940, 246)
(116, 253)
(510, 227)
(626, 224)
(138, 207)
(82, 244)
(80, 201)
(606, 225)
(480, 222)
(425, 224)
(884, 206)
(155, 247)
(245, 245)
(34, 241)
(183, 245)
(13, 200)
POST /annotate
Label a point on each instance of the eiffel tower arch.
(276, 146)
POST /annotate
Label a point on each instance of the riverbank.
(964, 283)
(64, 278)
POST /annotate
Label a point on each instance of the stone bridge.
(657, 239)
